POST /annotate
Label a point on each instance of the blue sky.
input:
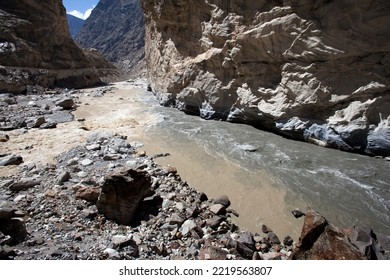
(80, 8)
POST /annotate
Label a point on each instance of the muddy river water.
(264, 175)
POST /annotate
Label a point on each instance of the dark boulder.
(121, 194)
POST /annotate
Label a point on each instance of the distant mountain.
(36, 49)
(116, 29)
(75, 24)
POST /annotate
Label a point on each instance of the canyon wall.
(116, 28)
(317, 71)
(36, 49)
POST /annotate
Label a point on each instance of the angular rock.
(244, 251)
(212, 253)
(63, 177)
(99, 137)
(297, 213)
(10, 160)
(313, 227)
(121, 194)
(322, 241)
(66, 103)
(14, 227)
(273, 238)
(90, 194)
(175, 219)
(218, 209)
(122, 241)
(366, 241)
(246, 238)
(187, 226)
(23, 185)
(37, 122)
(215, 221)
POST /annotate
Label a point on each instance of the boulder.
(323, 241)
(224, 200)
(15, 228)
(369, 244)
(66, 103)
(121, 194)
(23, 185)
(10, 160)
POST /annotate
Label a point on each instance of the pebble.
(86, 162)
(112, 254)
(82, 174)
(187, 226)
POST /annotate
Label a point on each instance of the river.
(267, 176)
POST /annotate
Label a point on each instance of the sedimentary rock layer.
(36, 48)
(318, 71)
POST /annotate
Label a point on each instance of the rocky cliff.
(75, 24)
(317, 71)
(36, 49)
(116, 29)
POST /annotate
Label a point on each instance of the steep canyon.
(311, 70)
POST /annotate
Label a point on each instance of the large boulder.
(12, 227)
(312, 70)
(321, 240)
(121, 194)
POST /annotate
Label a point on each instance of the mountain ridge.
(75, 24)
(116, 29)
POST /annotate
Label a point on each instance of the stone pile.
(38, 108)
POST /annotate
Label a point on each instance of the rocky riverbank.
(107, 199)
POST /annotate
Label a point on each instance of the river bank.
(117, 109)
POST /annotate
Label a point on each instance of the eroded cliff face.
(36, 48)
(116, 28)
(318, 71)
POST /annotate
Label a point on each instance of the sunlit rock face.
(318, 71)
(36, 48)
